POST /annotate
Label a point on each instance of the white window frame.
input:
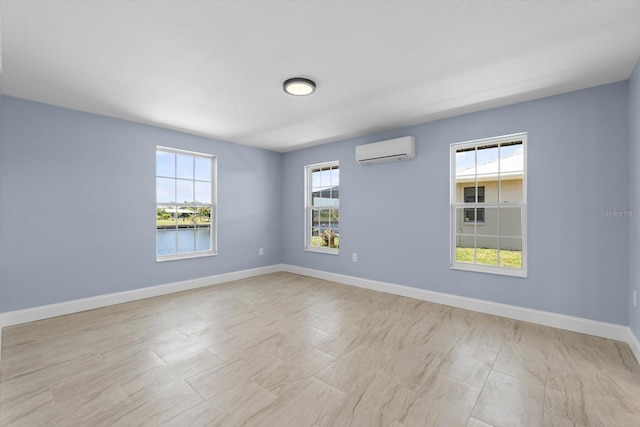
(455, 265)
(213, 206)
(308, 197)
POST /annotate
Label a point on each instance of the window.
(185, 204)
(322, 203)
(470, 197)
(489, 205)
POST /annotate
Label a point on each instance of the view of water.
(185, 240)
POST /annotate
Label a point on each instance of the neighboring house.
(497, 177)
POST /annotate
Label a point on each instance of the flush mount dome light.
(299, 86)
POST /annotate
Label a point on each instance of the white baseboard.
(634, 344)
(571, 323)
(52, 310)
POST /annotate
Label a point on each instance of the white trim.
(479, 268)
(323, 250)
(52, 310)
(570, 323)
(179, 151)
(189, 255)
(633, 342)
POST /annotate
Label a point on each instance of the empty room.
(319, 213)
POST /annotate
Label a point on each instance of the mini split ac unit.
(386, 151)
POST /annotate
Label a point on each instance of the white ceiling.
(216, 68)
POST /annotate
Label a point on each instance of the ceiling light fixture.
(299, 86)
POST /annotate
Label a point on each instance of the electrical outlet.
(261, 251)
(635, 298)
(354, 257)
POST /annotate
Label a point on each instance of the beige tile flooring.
(287, 350)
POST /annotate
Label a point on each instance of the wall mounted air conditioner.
(386, 151)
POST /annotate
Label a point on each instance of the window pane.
(186, 240)
(203, 239)
(324, 218)
(512, 191)
(469, 194)
(511, 222)
(185, 215)
(203, 192)
(165, 190)
(463, 223)
(165, 217)
(324, 196)
(325, 178)
(486, 249)
(465, 246)
(474, 215)
(184, 191)
(335, 220)
(185, 166)
(335, 176)
(488, 163)
(316, 200)
(203, 169)
(460, 186)
(334, 191)
(487, 236)
(166, 242)
(165, 164)
(465, 171)
(203, 217)
(511, 158)
(510, 252)
(511, 173)
(315, 179)
(488, 192)
(488, 171)
(465, 252)
(315, 228)
(329, 238)
(488, 220)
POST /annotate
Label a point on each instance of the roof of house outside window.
(510, 167)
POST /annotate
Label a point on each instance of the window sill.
(185, 256)
(488, 269)
(327, 251)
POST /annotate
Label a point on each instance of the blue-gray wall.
(396, 215)
(78, 191)
(78, 195)
(1, 179)
(634, 197)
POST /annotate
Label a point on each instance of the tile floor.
(288, 350)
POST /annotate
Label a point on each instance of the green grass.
(485, 256)
(181, 221)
